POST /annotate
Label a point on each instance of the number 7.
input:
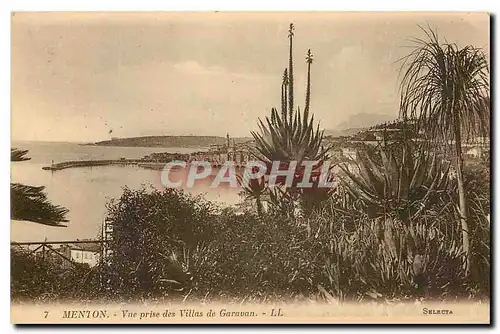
(46, 314)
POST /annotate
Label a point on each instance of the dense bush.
(477, 185)
(386, 259)
(154, 234)
(34, 279)
(169, 245)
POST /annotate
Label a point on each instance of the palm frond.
(30, 203)
(18, 155)
(442, 85)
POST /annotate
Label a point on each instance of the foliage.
(30, 203)
(446, 90)
(443, 84)
(291, 135)
(252, 258)
(154, 235)
(478, 183)
(387, 234)
(406, 182)
(18, 155)
(288, 136)
(33, 279)
(171, 246)
(253, 189)
(385, 259)
(477, 188)
(280, 140)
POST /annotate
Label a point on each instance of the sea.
(85, 191)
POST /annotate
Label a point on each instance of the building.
(82, 253)
(481, 140)
(349, 153)
(67, 254)
(476, 152)
(335, 153)
(230, 151)
(478, 147)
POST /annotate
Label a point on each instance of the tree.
(446, 89)
(30, 203)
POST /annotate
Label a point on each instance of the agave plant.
(407, 184)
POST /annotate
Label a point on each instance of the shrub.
(38, 280)
(154, 235)
(385, 259)
(168, 245)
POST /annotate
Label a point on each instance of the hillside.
(343, 132)
(169, 141)
(358, 123)
(364, 120)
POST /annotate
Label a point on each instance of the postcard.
(250, 168)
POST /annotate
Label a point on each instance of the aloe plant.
(406, 184)
(282, 141)
(291, 135)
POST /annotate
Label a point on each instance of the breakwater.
(122, 162)
(92, 163)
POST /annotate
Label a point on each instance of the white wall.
(82, 256)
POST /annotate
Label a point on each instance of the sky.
(88, 77)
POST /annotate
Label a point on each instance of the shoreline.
(91, 163)
(155, 165)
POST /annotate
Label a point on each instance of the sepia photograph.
(250, 168)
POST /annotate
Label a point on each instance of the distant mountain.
(364, 120)
(170, 141)
(357, 123)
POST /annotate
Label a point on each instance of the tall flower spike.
(309, 60)
(290, 73)
(284, 87)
